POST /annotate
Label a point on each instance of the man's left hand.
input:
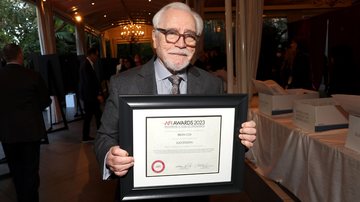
(248, 133)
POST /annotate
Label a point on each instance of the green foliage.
(276, 30)
(65, 37)
(18, 25)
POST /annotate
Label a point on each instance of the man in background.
(90, 92)
(24, 96)
(120, 65)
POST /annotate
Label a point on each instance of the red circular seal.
(158, 166)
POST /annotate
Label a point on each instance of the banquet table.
(314, 166)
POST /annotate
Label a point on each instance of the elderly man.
(175, 35)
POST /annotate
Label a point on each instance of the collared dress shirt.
(163, 84)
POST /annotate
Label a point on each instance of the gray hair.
(179, 6)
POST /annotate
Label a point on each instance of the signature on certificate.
(204, 165)
(198, 166)
(184, 167)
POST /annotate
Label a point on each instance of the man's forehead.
(178, 19)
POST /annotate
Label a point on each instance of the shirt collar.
(162, 73)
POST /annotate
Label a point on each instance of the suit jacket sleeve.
(108, 132)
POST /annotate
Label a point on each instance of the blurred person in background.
(90, 92)
(24, 97)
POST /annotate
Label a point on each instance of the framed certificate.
(182, 145)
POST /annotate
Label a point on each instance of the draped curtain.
(46, 31)
(247, 42)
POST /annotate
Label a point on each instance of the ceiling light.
(93, 3)
(78, 18)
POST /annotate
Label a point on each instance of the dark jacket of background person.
(343, 72)
(90, 86)
(301, 72)
(90, 92)
(24, 96)
(296, 70)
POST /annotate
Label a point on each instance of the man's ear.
(154, 39)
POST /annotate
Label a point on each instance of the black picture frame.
(129, 103)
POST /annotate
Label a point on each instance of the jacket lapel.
(145, 79)
(194, 84)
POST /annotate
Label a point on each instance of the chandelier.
(132, 32)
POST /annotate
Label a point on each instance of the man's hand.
(119, 161)
(248, 133)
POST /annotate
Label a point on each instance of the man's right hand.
(119, 161)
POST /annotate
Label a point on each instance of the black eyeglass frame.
(175, 32)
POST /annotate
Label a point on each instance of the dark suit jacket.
(141, 81)
(89, 87)
(24, 96)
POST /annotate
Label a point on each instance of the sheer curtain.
(247, 43)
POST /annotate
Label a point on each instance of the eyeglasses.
(173, 36)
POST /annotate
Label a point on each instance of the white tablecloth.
(313, 166)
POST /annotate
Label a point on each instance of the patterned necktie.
(175, 80)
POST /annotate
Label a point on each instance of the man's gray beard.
(174, 68)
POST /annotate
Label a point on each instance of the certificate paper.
(189, 148)
(182, 145)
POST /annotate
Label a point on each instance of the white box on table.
(282, 104)
(353, 136)
(319, 115)
(350, 103)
